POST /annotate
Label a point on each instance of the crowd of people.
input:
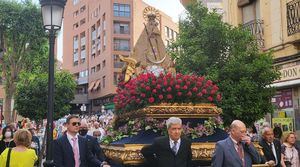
(13, 147)
(77, 141)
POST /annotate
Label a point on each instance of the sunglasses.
(76, 123)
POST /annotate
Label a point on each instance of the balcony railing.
(293, 16)
(256, 29)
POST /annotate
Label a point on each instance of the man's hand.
(271, 163)
(247, 140)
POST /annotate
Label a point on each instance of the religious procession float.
(151, 91)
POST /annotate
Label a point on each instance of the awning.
(109, 106)
(96, 85)
(286, 83)
(91, 86)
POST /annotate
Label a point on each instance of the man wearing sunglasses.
(71, 150)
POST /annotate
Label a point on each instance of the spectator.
(290, 151)
(7, 139)
(271, 148)
(21, 155)
(277, 133)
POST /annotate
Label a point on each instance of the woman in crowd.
(7, 139)
(21, 155)
(290, 151)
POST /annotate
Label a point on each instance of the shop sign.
(290, 73)
(283, 99)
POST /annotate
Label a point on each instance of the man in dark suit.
(71, 150)
(236, 150)
(169, 151)
(93, 144)
(271, 148)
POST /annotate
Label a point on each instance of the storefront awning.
(91, 86)
(286, 83)
(96, 85)
(109, 106)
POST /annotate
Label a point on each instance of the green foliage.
(24, 43)
(32, 94)
(231, 58)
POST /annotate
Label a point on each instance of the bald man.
(237, 150)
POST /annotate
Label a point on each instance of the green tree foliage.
(23, 43)
(32, 95)
(231, 58)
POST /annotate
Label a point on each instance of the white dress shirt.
(177, 145)
(70, 137)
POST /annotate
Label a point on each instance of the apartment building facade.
(95, 33)
(275, 24)
(216, 5)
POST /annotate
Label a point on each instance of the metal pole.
(49, 127)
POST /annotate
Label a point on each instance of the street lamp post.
(52, 11)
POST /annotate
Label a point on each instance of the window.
(117, 61)
(83, 56)
(121, 44)
(121, 10)
(103, 63)
(104, 40)
(116, 78)
(82, 21)
(82, 9)
(75, 14)
(98, 67)
(167, 31)
(121, 28)
(103, 81)
(103, 22)
(75, 25)
(93, 70)
(83, 74)
(75, 2)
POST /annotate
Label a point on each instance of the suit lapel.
(180, 146)
(68, 145)
(234, 153)
(81, 146)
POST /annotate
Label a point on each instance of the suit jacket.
(225, 155)
(63, 153)
(159, 154)
(95, 148)
(268, 153)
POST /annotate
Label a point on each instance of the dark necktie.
(174, 148)
(240, 152)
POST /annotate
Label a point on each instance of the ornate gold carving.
(151, 11)
(130, 68)
(166, 110)
(130, 153)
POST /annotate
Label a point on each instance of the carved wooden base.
(130, 153)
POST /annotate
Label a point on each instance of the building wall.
(95, 12)
(285, 49)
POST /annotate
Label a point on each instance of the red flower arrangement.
(147, 89)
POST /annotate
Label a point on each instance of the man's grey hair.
(265, 129)
(173, 120)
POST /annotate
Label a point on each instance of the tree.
(231, 58)
(23, 42)
(32, 94)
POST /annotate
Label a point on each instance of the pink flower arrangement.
(148, 89)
